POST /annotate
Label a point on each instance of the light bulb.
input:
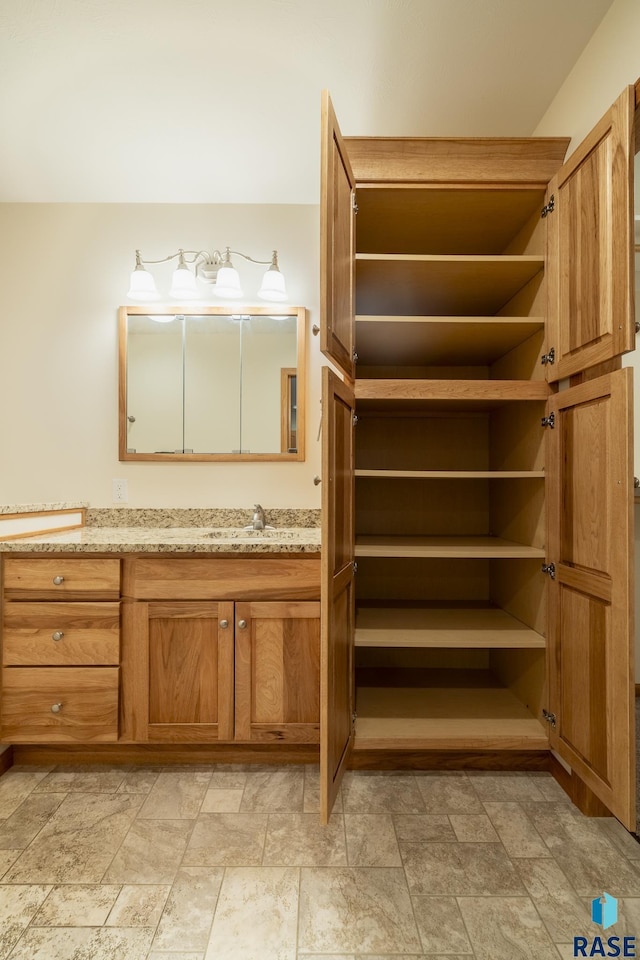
(142, 286)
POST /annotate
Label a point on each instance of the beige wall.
(65, 270)
(610, 61)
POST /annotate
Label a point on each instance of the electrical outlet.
(120, 491)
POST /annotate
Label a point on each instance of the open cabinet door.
(338, 601)
(337, 245)
(590, 542)
(590, 268)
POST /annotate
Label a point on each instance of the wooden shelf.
(393, 340)
(448, 394)
(455, 286)
(418, 219)
(452, 474)
(453, 716)
(484, 627)
(463, 547)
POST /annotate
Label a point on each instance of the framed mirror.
(204, 383)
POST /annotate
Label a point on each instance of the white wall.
(609, 62)
(65, 270)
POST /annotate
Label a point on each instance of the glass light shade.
(142, 286)
(273, 287)
(183, 284)
(228, 284)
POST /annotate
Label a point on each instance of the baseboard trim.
(637, 689)
(6, 758)
(164, 753)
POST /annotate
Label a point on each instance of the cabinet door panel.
(338, 594)
(190, 671)
(278, 671)
(590, 541)
(337, 245)
(590, 263)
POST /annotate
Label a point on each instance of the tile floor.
(231, 863)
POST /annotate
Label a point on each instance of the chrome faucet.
(258, 520)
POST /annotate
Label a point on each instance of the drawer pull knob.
(56, 707)
(58, 580)
(224, 624)
(57, 635)
(242, 624)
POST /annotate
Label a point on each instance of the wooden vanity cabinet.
(477, 511)
(60, 650)
(221, 649)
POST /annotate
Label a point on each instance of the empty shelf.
(440, 340)
(442, 627)
(456, 286)
(451, 474)
(454, 394)
(467, 547)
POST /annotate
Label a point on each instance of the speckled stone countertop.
(178, 531)
(42, 507)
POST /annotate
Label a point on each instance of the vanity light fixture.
(214, 268)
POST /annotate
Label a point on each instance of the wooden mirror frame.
(201, 311)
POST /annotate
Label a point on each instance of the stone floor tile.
(256, 914)
(79, 841)
(549, 788)
(382, 794)
(446, 795)
(222, 801)
(116, 943)
(473, 828)
(18, 906)
(621, 839)
(506, 787)
(311, 797)
(516, 831)
(421, 828)
(83, 779)
(139, 905)
(140, 779)
(190, 955)
(363, 910)
(228, 780)
(51, 943)
(227, 839)
(176, 796)
(440, 925)
(300, 840)
(503, 928)
(371, 840)
(77, 905)
(459, 869)
(15, 786)
(628, 922)
(564, 914)
(7, 859)
(188, 913)
(21, 827)
(151, 852)
(274, 791)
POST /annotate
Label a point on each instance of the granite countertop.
(168, 540)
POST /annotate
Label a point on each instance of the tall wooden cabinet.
(477, 504)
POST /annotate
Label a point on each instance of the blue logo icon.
(604, 910)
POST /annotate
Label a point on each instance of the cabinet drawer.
(86, 699)
(65, 579)
(61, 634)
(273, 578)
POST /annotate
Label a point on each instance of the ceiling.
(205, 101)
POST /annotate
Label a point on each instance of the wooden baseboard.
(6, 759)
(448, 760)
(164, 753)
(577, 790)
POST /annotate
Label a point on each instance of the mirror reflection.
(211, 384)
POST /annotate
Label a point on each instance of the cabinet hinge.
(354, 204)
(549, 357)
(548, 207)
(354, 356)
(549, 717)
(354, 717)
(549, 568)
(549, 421)
(355, 419)
(354, 564)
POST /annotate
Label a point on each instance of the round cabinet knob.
(58, 580)
(242, 624)
(57, 635)
(56, 707)
(224, 624)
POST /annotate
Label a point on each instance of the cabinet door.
(590, 254)
(337, 245)
(590, 538)
(338, 594)
(277, 671)
(190, 671)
